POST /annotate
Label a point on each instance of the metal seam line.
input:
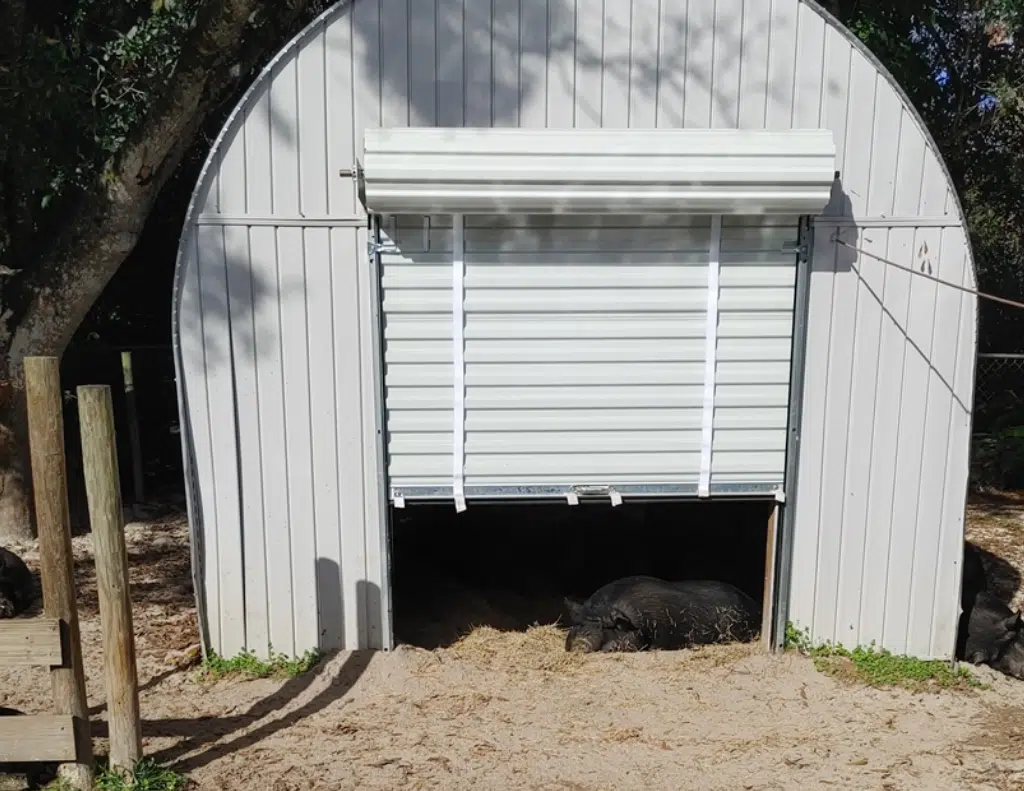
(458, 364)
(710, 347)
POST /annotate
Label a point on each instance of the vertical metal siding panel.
(866, 281)
(230, 183)
(862, 106)
(947, 604)
(324, 417)
(423, 62)
(877, 514)
(725, 69)
(753, 66)
(194, 372)
(615, 63)
(314, 173)
(367, 66)
(312, 114)
(356, 524)
(808, 525)
(842, 292)
(289, 305)
(394, 54)
(267, 327)
(533, 63)
(911, 443)
(643, 64)
(375, 594)
(885, 161)
(560, 65)
(343, 141)
(910, 395)
(259, 155)
(450, 63)
(298, 434)
(863, 405)
(345, 263)
(699, 48)
(835, 96)
(239, 338)
(505, 64)
(221, 405)
(935, 538)
(671, 59)
(940, 351)
(337, 602)
(835, 444)
(241, 305)
(587, 77)
(782, 52)
(479, 40)
(809, 88)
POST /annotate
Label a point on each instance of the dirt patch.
(513, 709)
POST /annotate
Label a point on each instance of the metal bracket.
(376, 248)
(593, 491)
(780, 495)
(797, 248)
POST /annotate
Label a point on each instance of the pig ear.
(575, 609)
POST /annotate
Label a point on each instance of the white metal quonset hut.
(450, 249)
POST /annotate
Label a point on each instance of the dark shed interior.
(510, 565)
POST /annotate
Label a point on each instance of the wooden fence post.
(132, 413)
(103, 490)
(49, 480)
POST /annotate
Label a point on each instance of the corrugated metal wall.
(274, 313)
(584, 350)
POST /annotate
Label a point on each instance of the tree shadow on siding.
(562, 63)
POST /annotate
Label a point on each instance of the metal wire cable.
(1003, 300)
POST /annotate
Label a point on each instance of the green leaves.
(82, 81)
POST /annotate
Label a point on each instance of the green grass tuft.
(147, 775)
(881, 668)
(247, 665)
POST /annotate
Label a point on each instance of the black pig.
(634, 613)
(16, 590)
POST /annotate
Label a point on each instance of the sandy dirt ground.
(513, 711)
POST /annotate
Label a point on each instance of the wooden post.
(103, 490)
(133, 427)
(767, 611)
(49, 480)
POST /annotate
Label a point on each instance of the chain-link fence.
(997, 458)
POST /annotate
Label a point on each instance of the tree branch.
(106, 222)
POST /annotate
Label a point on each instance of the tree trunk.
(16, 523)
(42, 306)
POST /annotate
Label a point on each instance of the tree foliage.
(962, 64)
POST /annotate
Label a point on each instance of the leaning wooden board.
(44, 737)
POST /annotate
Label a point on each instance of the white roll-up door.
(584, 345)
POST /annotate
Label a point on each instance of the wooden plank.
(46, 737)
(31, 642)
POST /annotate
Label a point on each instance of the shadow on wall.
(529, 63)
